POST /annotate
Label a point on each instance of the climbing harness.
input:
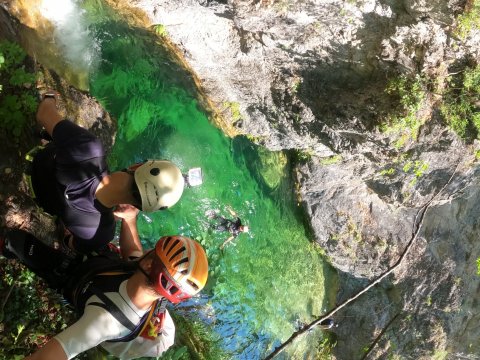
(104, 276)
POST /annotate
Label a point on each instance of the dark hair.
(134, 190)
(148, 280)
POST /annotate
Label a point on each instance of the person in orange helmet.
(120, 303)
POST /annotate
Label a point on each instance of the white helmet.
(160, 184)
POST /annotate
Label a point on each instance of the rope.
(417, 224)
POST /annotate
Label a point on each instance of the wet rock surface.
(311, 76)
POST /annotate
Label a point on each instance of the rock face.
(311, 76)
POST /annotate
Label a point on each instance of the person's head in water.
(158, 184)
(176, 269)
(244, 228)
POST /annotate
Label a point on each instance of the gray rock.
(311, 76)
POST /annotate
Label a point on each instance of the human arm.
(230, 210)
(51, 351)
(94, 327)
(130, 244)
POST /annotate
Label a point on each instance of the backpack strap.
(94, 270)
(141, 329)
(113, 309)
(100, 275)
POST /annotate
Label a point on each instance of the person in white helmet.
(71, 180)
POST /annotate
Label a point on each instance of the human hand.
(126, 212)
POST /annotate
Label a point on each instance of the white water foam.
(72, 36)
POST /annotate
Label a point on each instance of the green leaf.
(19, 77)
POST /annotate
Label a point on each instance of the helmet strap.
(135, 192)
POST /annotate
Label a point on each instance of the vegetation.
(412, 93)
(460, 106)
(325, 347)
(331, 160)
(303, 155)
(17, 89)
(387, 172)
(409, 167)
(160, 30)
(29, 313)
(234, 108)
(440, 355)
(469, 20)
(296, 86)
(194, 341)
(416, 168)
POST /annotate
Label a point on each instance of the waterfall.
(76, 44)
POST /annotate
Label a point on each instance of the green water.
(266, 282)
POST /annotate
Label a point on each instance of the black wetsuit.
(232, 226)
(65, 176)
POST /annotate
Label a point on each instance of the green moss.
(331, 160)
(296, 86)
(404, 123)
(468, 21)
(354, 231)
(160, 30)
(234, 109)
(459, 108)
(440, 355)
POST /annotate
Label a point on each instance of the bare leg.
(226, 242)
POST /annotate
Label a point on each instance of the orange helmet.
(179, 268)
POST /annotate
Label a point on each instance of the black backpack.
(101, 274)
(79, 279)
